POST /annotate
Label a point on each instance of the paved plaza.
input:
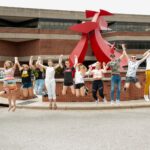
(27, 129)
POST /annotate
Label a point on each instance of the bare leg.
(82, 91)
(30, 91)
(2, 92)
(64, 90)
(25, 93)
(72, 89)
(14, 100)
(55, 105)
(50, 104)
(138, 85)
(77, 91)
(9, 101)
(127, 85)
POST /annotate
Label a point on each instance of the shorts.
(27, 85)
(131, 80)
(79, 85)
(67, 83)
(10, 85)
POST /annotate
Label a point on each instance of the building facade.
(25, 32)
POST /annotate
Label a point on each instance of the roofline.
(65, 14)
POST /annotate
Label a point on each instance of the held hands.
(61, 57)
(38, 60)
(16, 60)
(123, 46)
(90, 67)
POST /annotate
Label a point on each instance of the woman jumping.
(50, 82)
(9, 85)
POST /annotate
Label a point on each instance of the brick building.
(25, 32)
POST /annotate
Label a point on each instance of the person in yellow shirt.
(147, 82)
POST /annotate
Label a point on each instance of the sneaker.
(112, 102)
(97, 101)
(146, 98)
(105, 100)
(117, 101)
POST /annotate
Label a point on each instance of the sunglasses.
(133, 57)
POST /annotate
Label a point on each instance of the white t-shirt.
(50, 74)
(132, 68)
(79, 78)
(98, 73)
(148, 63)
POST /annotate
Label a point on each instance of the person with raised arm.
(39, 76)
(9, 85)
(97, 84)
(114, 65)
(26, 79)
(50, 82)
(133, 65)
(80, 72)
(68, 78)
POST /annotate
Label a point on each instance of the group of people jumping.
(44, 77)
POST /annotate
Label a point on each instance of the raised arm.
(147, 55)
(124, 52)
(107, 66)
(17, 63)
(75, 61)
(31, 63)
(104, 67)
(39, 63)
(59, 62)
(146, 52)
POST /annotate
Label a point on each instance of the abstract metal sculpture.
(91, 30)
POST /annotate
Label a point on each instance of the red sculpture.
(92, 31)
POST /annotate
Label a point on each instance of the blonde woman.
(80, 73)
(27, 86)
(97, 84)
(133, 65)
(50, 82)
(9, 86)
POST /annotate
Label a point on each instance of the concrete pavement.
(123, 129)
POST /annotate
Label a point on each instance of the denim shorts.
(27, 85)
(131, 80)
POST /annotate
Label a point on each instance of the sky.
(114, 6)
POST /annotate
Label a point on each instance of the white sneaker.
(105, 100)
(112, 102)
(117, 101)
(97, 101)
(146, 98)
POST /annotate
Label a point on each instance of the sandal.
(55, 106)
(50, 106)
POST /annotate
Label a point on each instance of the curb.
(109, 107)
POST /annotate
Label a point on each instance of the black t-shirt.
(68, 74)
(39, 74)
(26, 76)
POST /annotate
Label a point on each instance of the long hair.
(10, 64)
